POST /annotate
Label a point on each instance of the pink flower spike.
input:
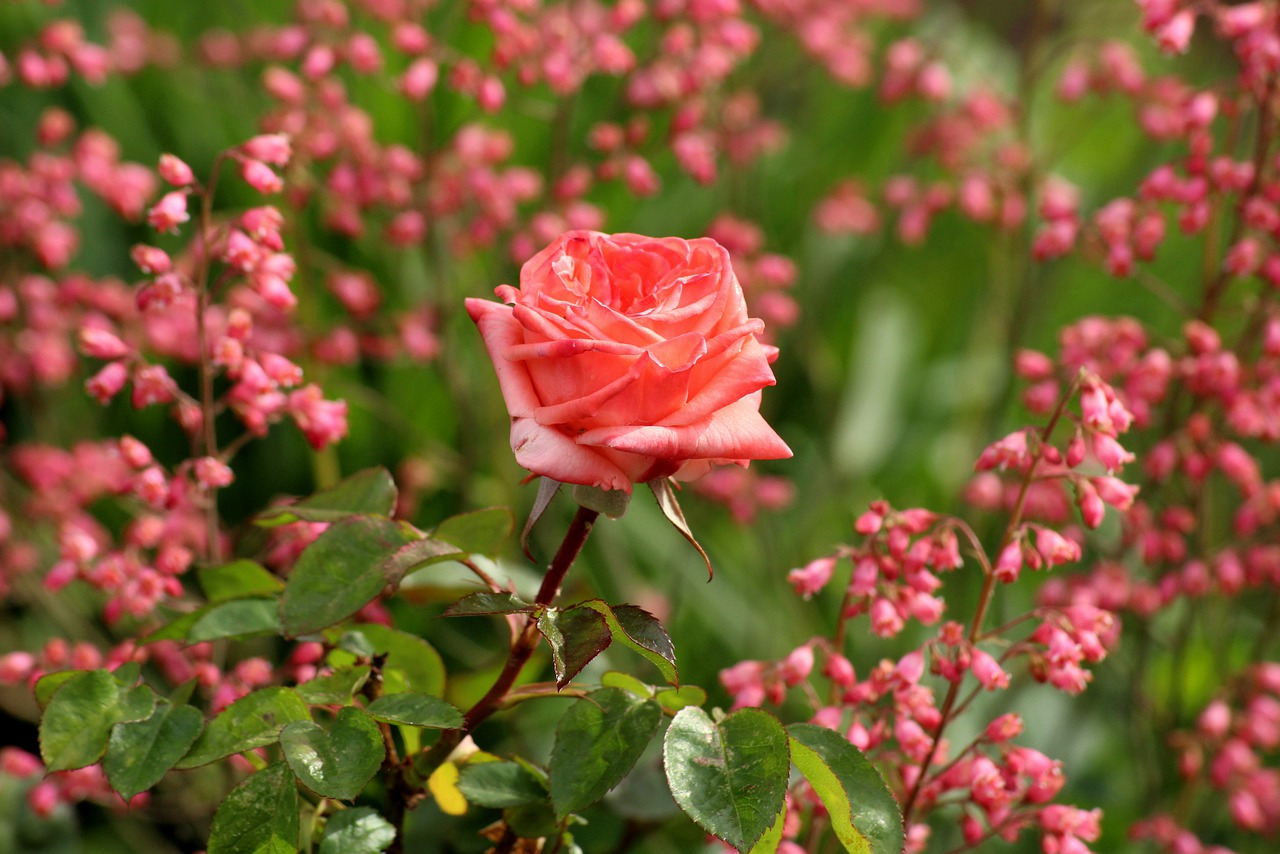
(174, 171)
(988, 671)
(273, 148)
(260, 176)
(170, 212)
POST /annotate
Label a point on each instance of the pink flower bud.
(1009, 563)
(839, 670)
(797, 666)
(260, 176)
(150, 259)
(107, 383)
(1005, 728)
(170, 212)
(988, 671)
(101, 344)
(212, 473)
(811, 578)
(175, 172)
(273, 148)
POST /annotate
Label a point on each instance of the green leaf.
(141, 752)
(48, 684)
(547, 489)
(500, 784)
(238, 580)
(338, 763)
(478, 532)
(597, 743)
(255, 720)
(478, 604)
(416, 555)
(259, 816)
(666, 497)
(177, 628)
(532, 821)
(730, 778)
(768, 844)
(369, 492)
(627, 682)
(77, 722)
(641, 632)
(334, 688)
(357, 831)
(576, 636)
(339, 573)
(412, 664)
(238, 618)
(862, 810)
(411, 709)
(676, 699)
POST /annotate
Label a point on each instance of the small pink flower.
(170, 212)
(175, 172)
(260, 176)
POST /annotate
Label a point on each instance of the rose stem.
(523, 646)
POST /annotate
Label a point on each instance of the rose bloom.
(625, 358)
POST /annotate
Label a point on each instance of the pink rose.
(625, 358)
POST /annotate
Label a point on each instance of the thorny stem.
(521, 650)
(985, 597)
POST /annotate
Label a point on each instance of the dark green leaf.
(641, 632)
(417, 554)
(863, 812)
(576, 636)
(334, 688)
(730, 778)
(338, 763)
(259, 816)
(478, 604)
(238, 618)
(666, 496)
(177, 628)
(141, 752)
(500, 784)
(676, 699)
(413, 709)
(48, 684)
(478, 532)
(78, 720)
(547, 489)
(357, 831)
(339, 573)
(768, 844)
(531, 821)
(255, 720)
(597, 743)
(412, 664)
(369, 492)
(238, 580)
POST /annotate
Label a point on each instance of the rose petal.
(745, 374)
(500, 331)
(734, 432)
(548, 452)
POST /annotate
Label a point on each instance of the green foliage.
(139, 753)
(356, 831)
(255, 720)
(337, 763)
(410, 709)
(500, 784)
(259, 816)
(478, 532)
(77, 722)
(597, 743)
(728, 776)
(369, 492)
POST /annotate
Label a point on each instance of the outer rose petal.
(548, 452)
(734, 432)
(500, 332)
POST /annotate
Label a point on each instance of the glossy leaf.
(370, 492)
(238, 580)
(597, 743)
(641, 632)
(356, 831)
(334, 688)
(411, 663)
(77, 722)
(139, 753)
(418, 554)
(255, 720)
(863, 812)
(576, 636)
(238, 618)
(412, 709)
(730, 777)
(666, 496)
(478, 532)
(479, 604)
(339, 573)
(338, 763)
(500, 784)
(259, 816)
